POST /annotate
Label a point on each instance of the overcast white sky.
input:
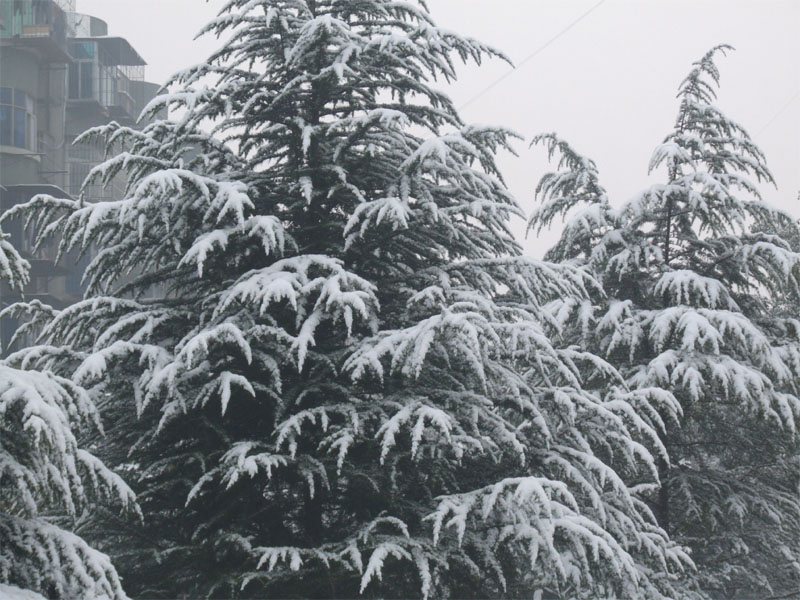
(607, 85)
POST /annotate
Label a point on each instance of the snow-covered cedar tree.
(695, 275)
(44, 472)
(325, 367)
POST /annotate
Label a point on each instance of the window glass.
(17, 119)
(86, 80)
(5, 125)
(107, 87)
(31, 133)
(19, 127)
(82, 50)
(74, 90)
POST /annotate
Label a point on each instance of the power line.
(782, 110)
(530, 56)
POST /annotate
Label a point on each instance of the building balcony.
(104, 73)
(37, 24)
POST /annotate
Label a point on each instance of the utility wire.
(497, 81)
(782, 110)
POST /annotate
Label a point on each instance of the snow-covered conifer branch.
(693, 270)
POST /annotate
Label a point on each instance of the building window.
(86, 79)
(17, 119)
(83, 70)
(83, 50)
(81, 79)
(5, 125)
(74, 84)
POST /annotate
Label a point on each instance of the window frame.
(19, 108)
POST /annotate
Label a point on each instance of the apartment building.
(60, 73)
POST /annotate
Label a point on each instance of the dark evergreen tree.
(326, 368)
(694, 271)
(47, 480)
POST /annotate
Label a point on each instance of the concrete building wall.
(19, 68)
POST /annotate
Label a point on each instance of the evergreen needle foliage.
(325, 367)
(696, 277)
(47, 478)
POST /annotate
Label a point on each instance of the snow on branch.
(13, 268)
(64, 564)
